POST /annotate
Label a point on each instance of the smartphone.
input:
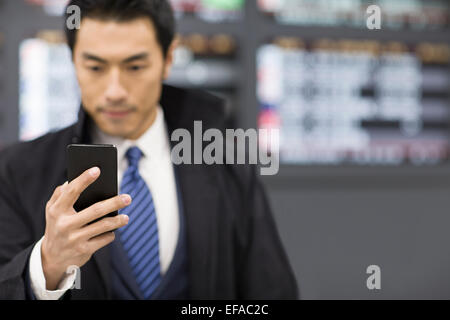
(81, 157)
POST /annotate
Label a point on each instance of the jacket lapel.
(122, 267)
(200, 204)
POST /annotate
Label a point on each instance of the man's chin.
(116, 132)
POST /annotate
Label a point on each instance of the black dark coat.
(234, 249)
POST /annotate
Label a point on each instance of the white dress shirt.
(157, 171)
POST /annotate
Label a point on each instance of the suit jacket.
(234, 250)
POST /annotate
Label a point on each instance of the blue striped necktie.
(140, 237)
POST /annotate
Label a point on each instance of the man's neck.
(148, 121)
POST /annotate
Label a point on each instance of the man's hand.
(68, 239)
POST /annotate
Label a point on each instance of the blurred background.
(363, 117)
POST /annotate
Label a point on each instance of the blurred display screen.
(210, 10)
(356, 102)
(208, 63)
(205, 61)
(51, 7)
(49, 94)
(396, 14)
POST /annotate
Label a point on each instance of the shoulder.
(184, 106)
(187, 96)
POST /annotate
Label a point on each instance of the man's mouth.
(115, 114)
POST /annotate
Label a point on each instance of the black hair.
(158, 11)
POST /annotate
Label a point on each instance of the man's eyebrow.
(88, 56)
(139, 56)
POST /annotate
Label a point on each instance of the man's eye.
(135, 68)
(95, 68)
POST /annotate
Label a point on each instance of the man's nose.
(115, 92)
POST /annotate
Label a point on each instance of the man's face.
(120, 68)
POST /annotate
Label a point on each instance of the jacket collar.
(81, 133)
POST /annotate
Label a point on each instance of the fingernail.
(94, 171)
(126, 198)
(125, 218)
(64, 186)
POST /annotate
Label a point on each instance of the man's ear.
(170, 56)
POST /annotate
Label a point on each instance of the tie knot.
(133, 155)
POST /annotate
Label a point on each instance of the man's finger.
(101, 209)
(100, 241)
(104, 225)
(72, 191)
(56, 194)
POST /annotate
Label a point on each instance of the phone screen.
(81, 157)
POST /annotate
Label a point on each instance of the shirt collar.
(152, 142)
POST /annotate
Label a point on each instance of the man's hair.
(158, 11)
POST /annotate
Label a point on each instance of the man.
(184, 232)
